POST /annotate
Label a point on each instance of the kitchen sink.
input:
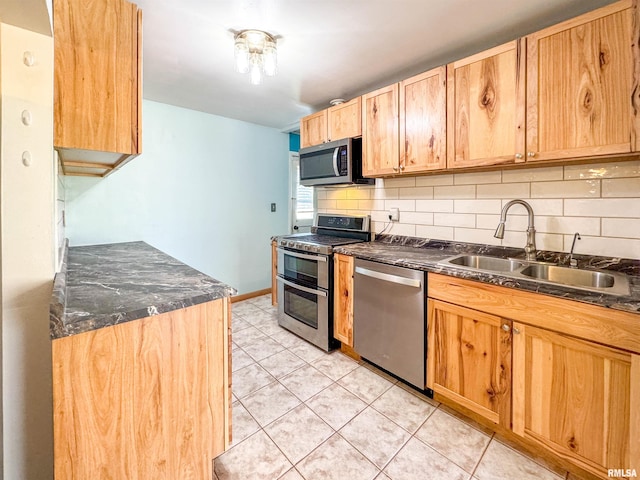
(592, 280)
(480, 262)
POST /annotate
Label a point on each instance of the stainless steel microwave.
(333, 163)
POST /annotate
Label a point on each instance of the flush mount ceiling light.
(255, 52)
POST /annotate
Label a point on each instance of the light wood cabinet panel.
(343, 298)
(580, 86)
(313, 129)
(98, 84)
(380, 132)
(345, 120)
(574, 397)
(469, 359)
(423, 143)
(486, 108)
(144, 399)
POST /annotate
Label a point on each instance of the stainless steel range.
(305, 275)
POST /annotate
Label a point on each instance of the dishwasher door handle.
(410, 282)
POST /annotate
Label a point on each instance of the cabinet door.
(274, 273)
(485, 108)
(423, 122)
(345, 120)
(313, 129)
(469, 359)
(380, 135)
(576, 398)
(97, 88)
(343, 299)
(580, 83)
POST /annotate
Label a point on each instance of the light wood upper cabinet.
(575, 397)
(469, 359)
(380, 132)
(581, 86)
(485, 108)
(345, 120)
(313, 129)
(334, 123)
(98, 84)
(343, 298)
(423, 122)
(404, 126)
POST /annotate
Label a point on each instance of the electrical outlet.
(273, 207)
(394, 214)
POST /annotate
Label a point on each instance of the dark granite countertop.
(424, 254)
(103, 285)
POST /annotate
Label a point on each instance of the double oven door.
(304, 295)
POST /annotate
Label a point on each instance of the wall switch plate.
(394, 214)
(273, 207)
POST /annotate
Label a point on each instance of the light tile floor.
(301, 413)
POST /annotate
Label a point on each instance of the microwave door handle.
(300, 287)
(335, 161)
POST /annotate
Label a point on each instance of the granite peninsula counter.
(104, 285)
(149, 396)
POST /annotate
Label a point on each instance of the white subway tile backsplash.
(603, 207)
(400, 182)
(621, 187)
(566, 189)
(384, 193)
(608, 246)
(504, 190)
(433, 180)
(532, 175)
(455, 219)
(434, 205)
(621, 227)
(476, 178)
(477, 206)
(602, 170)
(438, 233)
(457, 191)
(475, 235)
(418, 218)
(403, 205)
(358, 193)
(415, 192)
(347, 204)
(464, 207)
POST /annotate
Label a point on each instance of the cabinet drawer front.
(598, 324)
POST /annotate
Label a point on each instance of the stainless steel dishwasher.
(389, 321)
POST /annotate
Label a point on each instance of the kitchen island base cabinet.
(144, 399)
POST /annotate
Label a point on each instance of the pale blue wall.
(201, 192)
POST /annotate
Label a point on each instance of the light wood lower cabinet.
(144, 399)
(469, 359)
(574, 397)
(561, 374)
(343, 298)
(274, 273)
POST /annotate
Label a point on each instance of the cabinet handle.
(516, 330)
(506, 327)
(518, 156)
(531, 154)
(401, 167)
(395, 169)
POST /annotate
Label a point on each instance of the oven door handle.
(320, 293)
(316, 258)
(386, 277)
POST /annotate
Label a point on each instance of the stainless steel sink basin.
(612, 283)
(479, 262)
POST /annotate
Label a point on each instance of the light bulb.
(242, 56)
(270, 59)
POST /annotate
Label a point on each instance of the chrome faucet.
(572, 261)
(530, 247)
